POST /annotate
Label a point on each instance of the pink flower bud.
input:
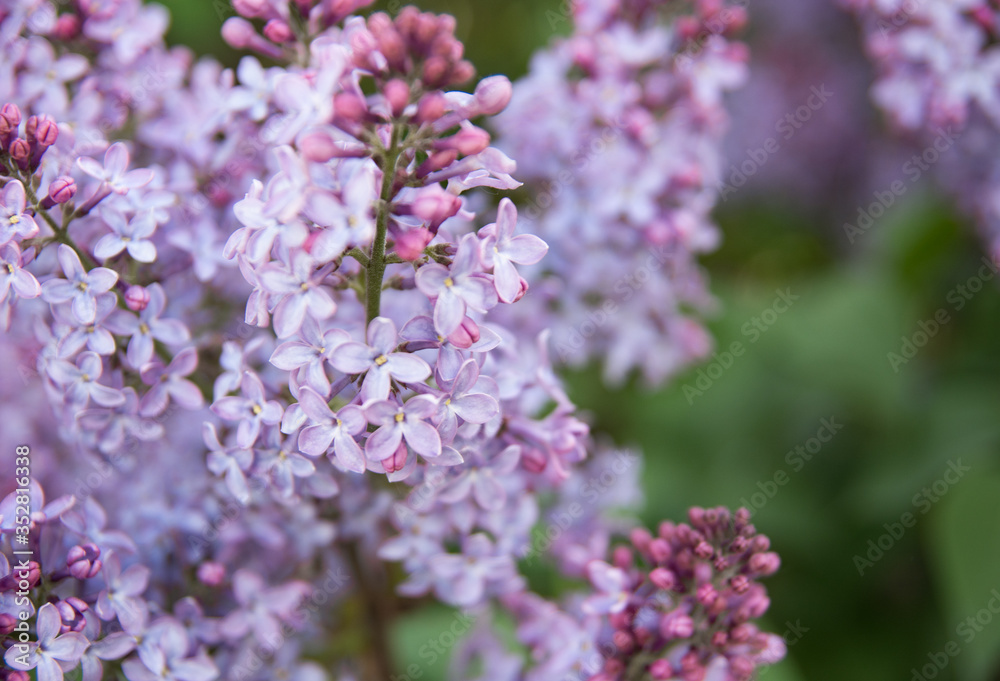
(493, 95)
(663, 578)
(434, 205)
(411, 243)
(7, 623)
(20, 152)
(659, 549)
(741, 667)
(42, 130)
(62, 189)
(277, 31)
(350, 110)
(67, 27)
(623, 641)
(661, 669)
(11, 114)
(398, 459)
(760, 544)
(136, 298)
(706, 594)
(704, 550)
(676, 625)
(640, 538)
(622, 558)
(431, 107)
(740, 584)
(522, 289)
(211, 573)
(251, 9)
(239, 33)
(466, 335)
(533, 460)
(764, 564)
(437, 161)
(397, 95)
(468, 141)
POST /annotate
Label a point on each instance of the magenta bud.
(20, 151)
(663, 578)
(277, 31)
(82, 561)
(534, 460)
(317, 146)
(61, 190)
(623, 641)
(739, 545)
(521, 290)
(706, 594)
(661, 670)
(719, 639)
(640, 538)
(437, 161)
(211, 573)
(741, 667)
(659, 549)
(760, 544)
(397, 95)
(740, 584)
(696, 515)
(468, 141)
(11, 115)
(466, 335)
(18, 676)
(493, 95)
(622, 558)
(67, 27)
(435, 205)
(676, 625)
(7, 623)
(704, 550)
(136, 298)
(349, 109)
(41, 129)
(411, 243)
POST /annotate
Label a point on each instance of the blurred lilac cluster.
(617, 130)
(263, 345)
(938, 68)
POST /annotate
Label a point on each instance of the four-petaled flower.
(251, 409)
(122, 596)
(14, 276)
(464, 285)
(13, 221)
(462, 402)
(612, 586)
(380, 360)
(169, 383)
(148, 327)
(52, 650)
(114, 172)
(398, 422)
(298, 287)
(501, 249)
(131, 235)
(80, 381)
(327, 427)
(80, 286)
(308, 357)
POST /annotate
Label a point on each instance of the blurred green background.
(827, 357)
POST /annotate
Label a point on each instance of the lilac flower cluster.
(377, 402)
(937, 80)
(618, 131)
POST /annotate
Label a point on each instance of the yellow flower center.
(449, 282)
(381, 359)
(304, 286)
(143, 328)
(14, 219)
(400, 417)
(256, 409)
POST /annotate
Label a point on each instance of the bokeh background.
(851, 611)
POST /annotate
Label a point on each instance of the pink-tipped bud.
(492, 95)
(20, 578)
(11, 115)
(676, 625)
(239, 33)
(397, 96)
(534, 460)
(431, 107)
(661, 670)
(7, 623)
(696, 515)
(765, 564)
(61, 190)
(350, 110)
(623, 641)
(211, 573)
(136, 298)
(659, 549)
(83, 561)
(741, 667)
(18, 676)
(663, 578)
(20, 152)
(706, 594)
(67, 27)
(740, 584)
(466, 335)
(468, 141)
(277, 31)
(640, 538)
(760, 544)
(251, 9)
(71, 613)
(411, 243)
(42, 130)
(622, 558)
(437, 161)
(739, 545)
(521, 289)
(704, 550)
(434, 205)
(719, 639)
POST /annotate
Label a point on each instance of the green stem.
(61, 233)
(377, 260)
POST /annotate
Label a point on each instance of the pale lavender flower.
(122, 595)
(14, 276)
(80, 381)
(89, 520)
(231, 463)
(114, 172)
(380, 360)
(52, 651)
(263, 609)
(131, 235)
(464, 579)
(501, 250)
(80, 287)
(462, 401)
(456, 288)
(612, 586)
(169, 383)
(13, 221)
(94, 335)
(398, 423)
(114, 646)
(252, 410)
(327, 428)
(46, 76)
(164, 656)
(298, 288)
(308, 357)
